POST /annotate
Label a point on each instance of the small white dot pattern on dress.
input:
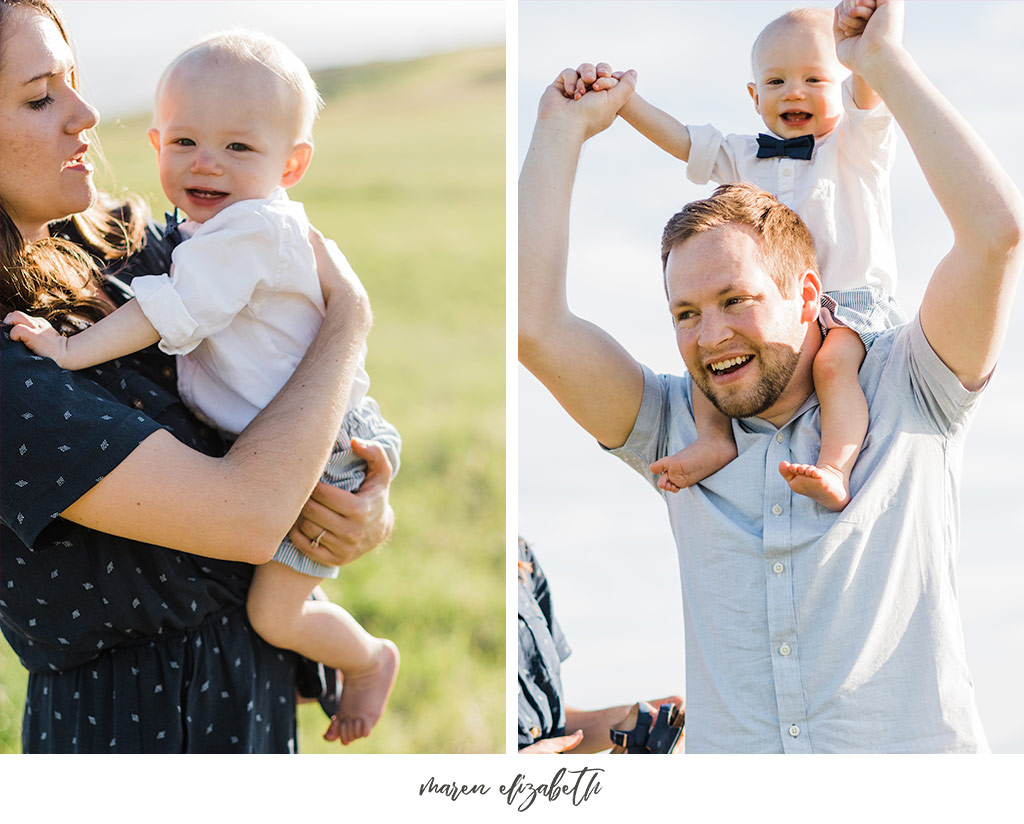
(79, 606)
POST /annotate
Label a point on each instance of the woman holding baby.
(129, 617)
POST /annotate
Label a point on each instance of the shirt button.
(787, 172)
(794, 731)
(785, 649)
(779, 437)
(535, 732)
(167, 372)
(137, 403)
(777, 568)
(776, 510)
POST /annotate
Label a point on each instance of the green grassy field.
(408, 178)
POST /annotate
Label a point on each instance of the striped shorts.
(867, 311)
(346, 470)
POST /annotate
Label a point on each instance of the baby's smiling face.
(797, 80)
(225, 133)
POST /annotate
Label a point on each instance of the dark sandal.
(643, 738)
(314, 680)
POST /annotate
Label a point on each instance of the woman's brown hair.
(56, 278)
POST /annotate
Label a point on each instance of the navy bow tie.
(172, 231)
(799, 148)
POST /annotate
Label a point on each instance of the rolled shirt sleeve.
(214, 276)
(247, 304)
(711, 158)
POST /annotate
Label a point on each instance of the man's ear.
(810, 296)
(297, 164)
(752, 89)
(154, 139)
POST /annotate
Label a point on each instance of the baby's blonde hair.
(820, 16)
(246, 46)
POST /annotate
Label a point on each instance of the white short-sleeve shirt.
(841, 193)
(241, 305)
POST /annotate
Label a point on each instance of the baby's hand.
(38, 335)
(853, 15)
(588, 77)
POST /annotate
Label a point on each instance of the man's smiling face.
(740, 338)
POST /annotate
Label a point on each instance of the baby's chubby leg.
(279, 610)
(713, 449)
(844, 422)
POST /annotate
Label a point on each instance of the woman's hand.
(337, 280)
(241, 504)
(337, 527)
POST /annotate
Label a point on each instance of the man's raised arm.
(589, 373)
(966, 307)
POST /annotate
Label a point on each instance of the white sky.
(124, 45)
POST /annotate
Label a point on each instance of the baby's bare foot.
(704, 457)
(824, 484)
(365, 693)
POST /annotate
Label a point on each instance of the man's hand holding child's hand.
(852, 16)
(588, 77)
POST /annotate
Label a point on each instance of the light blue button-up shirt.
(814, 631)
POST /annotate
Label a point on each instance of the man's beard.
(778, 362)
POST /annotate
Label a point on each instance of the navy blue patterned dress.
(542, 648)
(130, 647)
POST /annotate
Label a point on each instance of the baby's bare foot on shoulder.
(704, 457)
(365, 693)
(824, 484)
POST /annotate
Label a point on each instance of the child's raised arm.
(122, 332)
(657, 126)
